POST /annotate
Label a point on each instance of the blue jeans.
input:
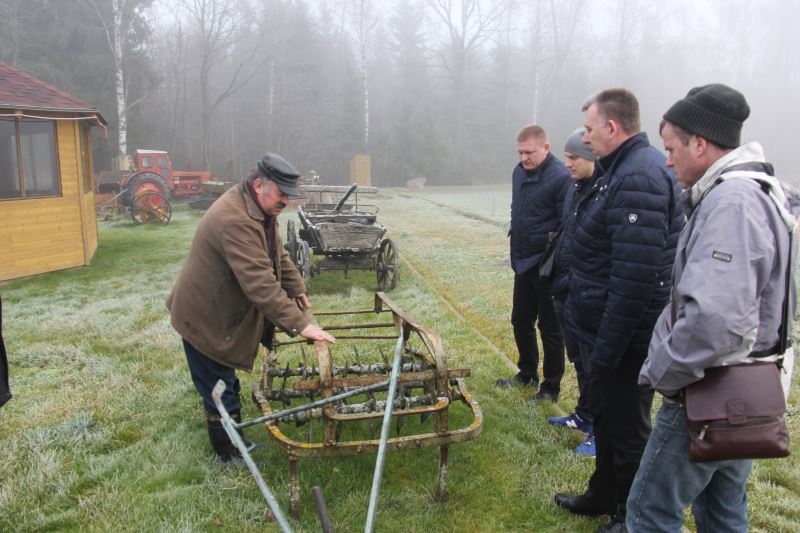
(667, 482)
(205, 373)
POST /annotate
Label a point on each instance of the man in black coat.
(539, 183)
(579, 160)
(622, 253)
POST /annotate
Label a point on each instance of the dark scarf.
(269, 224)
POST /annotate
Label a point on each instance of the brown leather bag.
(737, 412)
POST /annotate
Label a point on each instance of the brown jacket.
(227, 285)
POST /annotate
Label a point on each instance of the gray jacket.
(729, 275)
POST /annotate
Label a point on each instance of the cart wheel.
(387, 265)
(303, 262)
(151, 206)
(291, 241)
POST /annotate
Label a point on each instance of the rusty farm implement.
(386, 374)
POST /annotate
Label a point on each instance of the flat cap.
(277, 169)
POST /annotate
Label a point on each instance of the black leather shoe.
(613, 527)
(581, 504)
(516, 381)
(542, 396)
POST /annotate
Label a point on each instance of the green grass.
(106, 433)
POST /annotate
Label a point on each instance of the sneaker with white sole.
(586, 448)
(572, 421)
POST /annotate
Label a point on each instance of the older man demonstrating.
(236, 286)
(730, 274)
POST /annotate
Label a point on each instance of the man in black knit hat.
(728, 296)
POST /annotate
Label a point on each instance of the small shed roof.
(20, 90)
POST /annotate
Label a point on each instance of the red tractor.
(151, 185)
(154, 172)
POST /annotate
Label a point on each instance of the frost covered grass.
(106, 433)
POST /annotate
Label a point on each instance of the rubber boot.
(237, 417)
(222, 445)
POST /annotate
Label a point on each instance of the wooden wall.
(44, 234)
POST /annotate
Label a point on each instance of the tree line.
(427, 88)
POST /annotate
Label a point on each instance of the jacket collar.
(749, 152)
(531, 175)
(608, 164)
(250, 204)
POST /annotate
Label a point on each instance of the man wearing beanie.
(539, 183)
(236, 286)
(729, 293)
(622, 253)
(579, 160)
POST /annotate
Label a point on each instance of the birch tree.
(226, 59)
(120, 19)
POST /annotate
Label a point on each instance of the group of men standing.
(657, 275)
(648, 289)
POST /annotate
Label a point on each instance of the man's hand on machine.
(315, 333)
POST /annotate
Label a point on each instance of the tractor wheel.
(303, 262)
(387, 266)
(140, 183)
(291, 241)
(151, 206)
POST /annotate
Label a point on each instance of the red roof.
(20, 90)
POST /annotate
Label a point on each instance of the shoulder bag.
(738, 411)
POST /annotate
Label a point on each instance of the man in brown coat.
(236, 286)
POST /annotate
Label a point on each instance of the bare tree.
(223, 52)
(469, 25)
(118, 25)
(9, 34)
(363, 17)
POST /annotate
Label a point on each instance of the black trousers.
(205, 373)
(532, 304)
(621, 410)
(581, 360)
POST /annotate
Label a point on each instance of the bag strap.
(784, 339)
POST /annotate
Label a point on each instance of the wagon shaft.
(447, 413)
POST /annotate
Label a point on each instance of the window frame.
(21, 156)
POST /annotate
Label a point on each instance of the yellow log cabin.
(47, 206)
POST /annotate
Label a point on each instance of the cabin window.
(28, 161)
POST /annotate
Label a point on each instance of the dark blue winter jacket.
(622, 253)
(574, 204)
(536, 204)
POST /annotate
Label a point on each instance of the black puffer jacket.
(536, 205)
(622, 254)
(574, 204)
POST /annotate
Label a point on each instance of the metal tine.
(371, 403)
(310, 422)
(383, 356)
(284, 399)
(403, 404)
(305, 360)
(423, 366)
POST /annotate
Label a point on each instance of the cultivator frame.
(424, 387)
